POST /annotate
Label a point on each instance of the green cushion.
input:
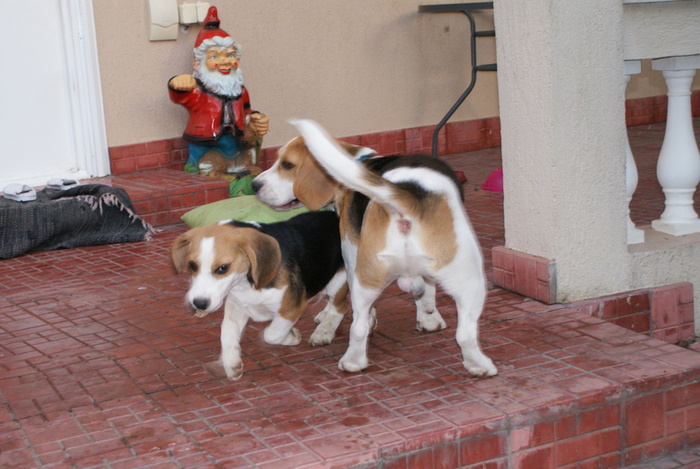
(239, 187)
(241, 208)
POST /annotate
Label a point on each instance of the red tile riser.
(454, 138)
(461, 136)
(665, 312)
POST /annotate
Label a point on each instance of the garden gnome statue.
(222, 131)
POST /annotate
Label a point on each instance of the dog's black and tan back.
(310, 248)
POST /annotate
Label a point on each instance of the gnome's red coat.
(212, 115)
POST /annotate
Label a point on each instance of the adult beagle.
(264, 272)
(401, 218)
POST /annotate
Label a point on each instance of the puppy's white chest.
(259, 305)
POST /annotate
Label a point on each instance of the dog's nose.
(256, 185)
(200, 303)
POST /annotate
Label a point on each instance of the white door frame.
(91, 156)
(75, 144)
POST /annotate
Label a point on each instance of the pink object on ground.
(494, 182)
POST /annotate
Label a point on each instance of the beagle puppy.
(264, 272)
(402, 219)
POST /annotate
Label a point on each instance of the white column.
(678, 167)
(634, 234)
(572, 153)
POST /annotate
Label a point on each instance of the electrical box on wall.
(188, 13)
(163, 20)
(191, 13)
(202, 10)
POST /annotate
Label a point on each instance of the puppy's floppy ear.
(265, 257)
(179, 250)
(313, 186)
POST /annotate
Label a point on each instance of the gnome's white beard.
(226, 85)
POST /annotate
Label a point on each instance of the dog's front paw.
(232, 363)
(234, 372)
(293, 338)
(485, 370)
(278, 336)
(321, 336)
(352, 365)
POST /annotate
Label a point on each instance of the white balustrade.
(634, 234)
(678, 167)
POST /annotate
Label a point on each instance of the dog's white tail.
(344, 169)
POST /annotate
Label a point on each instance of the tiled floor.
(688, 459)
(103, 366)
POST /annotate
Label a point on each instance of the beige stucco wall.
(358, 66)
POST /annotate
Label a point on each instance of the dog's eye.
(192, 266)
(222, 269)
(287, 165)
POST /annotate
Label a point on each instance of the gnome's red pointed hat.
(212, 35)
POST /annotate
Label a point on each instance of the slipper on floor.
(62, 184)
(494, 182)
(19, 192)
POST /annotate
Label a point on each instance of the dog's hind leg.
(470, 301)
(330, 318)
(470, 297)
(331, 293)
(232, 327)
(428, 317)
(363, 322)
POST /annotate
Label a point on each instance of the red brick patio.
(103, 366)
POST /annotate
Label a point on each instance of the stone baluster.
(678, 167)
(634, 234)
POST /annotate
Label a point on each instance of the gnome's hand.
(182, 83)
(259, 123)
